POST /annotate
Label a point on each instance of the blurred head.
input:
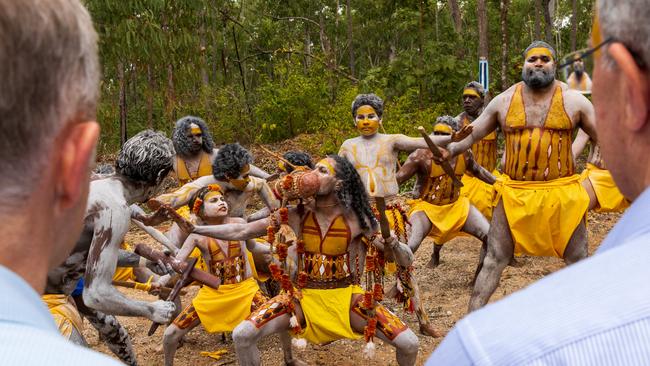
(621, 91)
(190, 136)
(473, 98)
(367, 111)
(578, 67)
(538, 71)
(49, 72)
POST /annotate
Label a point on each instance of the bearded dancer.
(541, 203)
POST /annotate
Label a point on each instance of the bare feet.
(515, 263)
(435, 257)
(427, 330)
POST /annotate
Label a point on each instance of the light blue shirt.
(595, 312)
(28, 335)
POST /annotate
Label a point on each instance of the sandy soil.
(445, 291)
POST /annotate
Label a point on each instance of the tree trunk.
(504, 43)
(224, 56)
(348, 13)
(171, 94)
(482, 29)
(455, 15)
(538, 20)
(420, 53)
(548, 20)
(202, 49)
(574, 24)
(150, 93)
(242, 75)
(122, 102)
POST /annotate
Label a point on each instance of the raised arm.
(99, 293)
(265, 194)
(257, 172)
(579, 144)
(234, 231)
(181, 196)
(158, 236)
(476, 169)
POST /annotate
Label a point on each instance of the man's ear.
(636, 85)
(76, 158)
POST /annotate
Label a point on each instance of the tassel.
(369, 350)
(293, 321)
(299, 343)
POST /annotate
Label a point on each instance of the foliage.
(264, 71)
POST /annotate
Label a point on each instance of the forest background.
(261, 71)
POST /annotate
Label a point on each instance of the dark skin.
(472, 105)
(419, 164)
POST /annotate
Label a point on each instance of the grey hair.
(49, 72)
(368, 99)
(146, 158)
(476, 86)
(542, 44)
(627, 22)
(449, 121)
(179, 135)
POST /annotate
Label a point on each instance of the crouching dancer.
(325, 301)
(221, 309)
(441, 211)
(143, 163)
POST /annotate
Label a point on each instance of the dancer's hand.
(460, 135)
(182, 222)
(162, 311)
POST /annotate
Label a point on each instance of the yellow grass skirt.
(221, 310)
(480, 194)
(446, 220)
(542, 215)
(610, 198)
(327, 313)
(65, 313)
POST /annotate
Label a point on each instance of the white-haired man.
(49, 72)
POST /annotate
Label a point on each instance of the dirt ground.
(445, 292)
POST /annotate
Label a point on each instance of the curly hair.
(476, 86)
(449, 121)
(352, 193)
(298, 158)
(368, 99)
(181, 142)
(146, 158)
(230, 160)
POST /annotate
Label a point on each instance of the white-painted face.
(214, 205)
(326, 176)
